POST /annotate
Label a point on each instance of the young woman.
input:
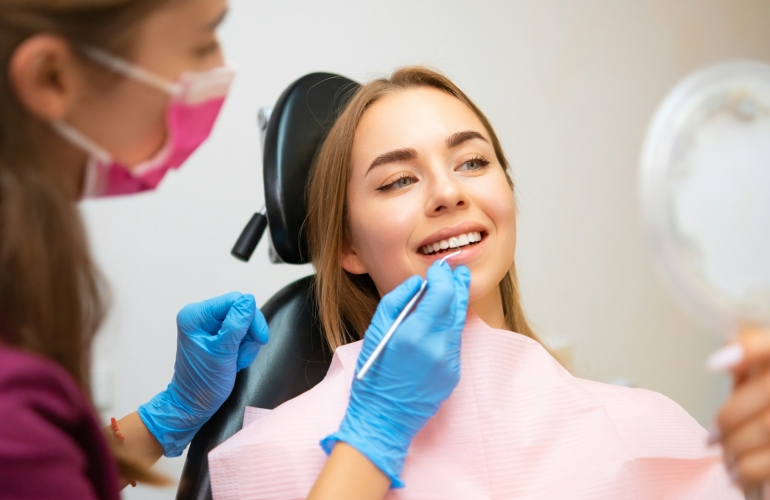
(411, 172)
(102, 98)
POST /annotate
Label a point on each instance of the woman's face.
(128, 118)
(424, 172)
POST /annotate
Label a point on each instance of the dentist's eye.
(403, 180)
(474, 164)
(207, 49)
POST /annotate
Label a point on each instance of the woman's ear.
(42, 73)
(350, 260)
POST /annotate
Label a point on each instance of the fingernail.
(725, 358)
(714, 435)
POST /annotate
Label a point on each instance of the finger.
(747, 401)
(440, 291)
(462, 281)
(247, 352)
(463, 274)
(206, 315)
(753, 468)
(259, 330)
(751, 348)
(394, 302)
(236, 324)
(218, 307)
(752, 435)
(256, 337)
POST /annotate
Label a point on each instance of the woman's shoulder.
(19, 368)
(638, 414)
(47, 424)
(37, 384)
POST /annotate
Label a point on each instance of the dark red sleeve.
(50, 443)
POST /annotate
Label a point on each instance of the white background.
(569, 86)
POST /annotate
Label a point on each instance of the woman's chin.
(482, 292)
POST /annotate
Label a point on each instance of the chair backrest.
(297, 356)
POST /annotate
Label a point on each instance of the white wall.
(569, 86)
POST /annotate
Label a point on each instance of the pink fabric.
(518, 426)
(252, 414)
(189, 125)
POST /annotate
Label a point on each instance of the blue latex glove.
(416, 372)
(215, 339)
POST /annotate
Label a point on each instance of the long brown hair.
(51, 295)
(346, 302)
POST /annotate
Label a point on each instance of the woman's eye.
(400, 183)
(474, 164)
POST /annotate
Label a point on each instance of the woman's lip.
(467, 253)
(452, 232)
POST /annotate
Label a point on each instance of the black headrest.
(300, 120)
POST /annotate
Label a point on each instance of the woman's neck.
(490, 309)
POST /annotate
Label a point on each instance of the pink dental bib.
(518, 426)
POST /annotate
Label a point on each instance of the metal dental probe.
(397, 323)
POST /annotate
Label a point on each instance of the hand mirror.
(705, 182)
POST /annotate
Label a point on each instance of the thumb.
(238, 320)
(749, 351)
(255, 338)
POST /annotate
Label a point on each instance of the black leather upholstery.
(297, 357)
(300, 120)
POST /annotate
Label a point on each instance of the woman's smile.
(424, 168)
(469, 238)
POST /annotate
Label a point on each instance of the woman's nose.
(446, 194)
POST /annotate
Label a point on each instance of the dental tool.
(404, 313)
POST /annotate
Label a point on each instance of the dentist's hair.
(346, 302)
(51, 294)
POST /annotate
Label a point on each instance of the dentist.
(102, 98)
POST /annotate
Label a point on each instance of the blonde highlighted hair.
(346, 302)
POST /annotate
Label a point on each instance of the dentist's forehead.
(417, 118)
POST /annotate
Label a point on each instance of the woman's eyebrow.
(460, 137)
(393, 156)
(213, 25)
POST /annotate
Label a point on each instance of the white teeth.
(454, 242)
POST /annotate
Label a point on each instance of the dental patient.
(412, 171)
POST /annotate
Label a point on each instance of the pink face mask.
(196, 99)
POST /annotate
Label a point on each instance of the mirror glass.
(705, 177)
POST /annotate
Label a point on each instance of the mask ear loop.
(81, 141)
(125, 68)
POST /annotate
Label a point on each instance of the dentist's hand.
(416, 372)
(215, 339)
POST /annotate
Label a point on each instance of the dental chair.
(297, 357)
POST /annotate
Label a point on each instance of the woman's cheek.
(381, 247)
